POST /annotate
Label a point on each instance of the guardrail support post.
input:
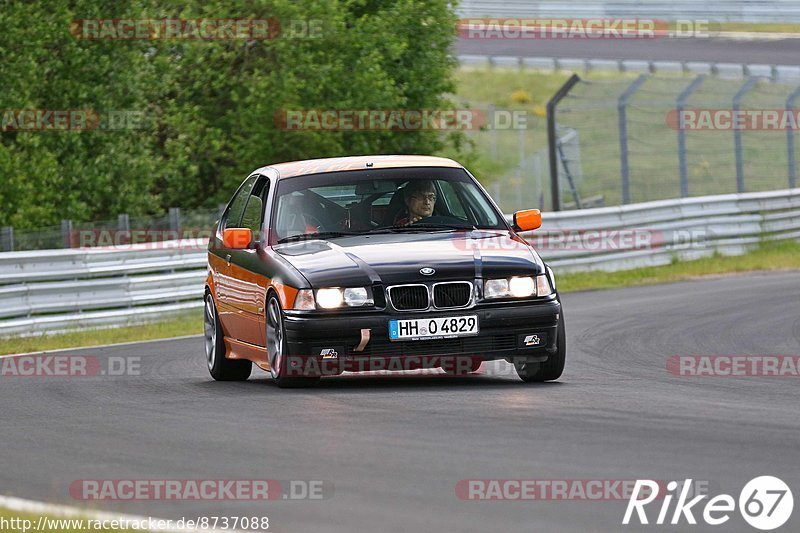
(552, 140)
(790, 101)
(737, 133)
(124, 222)
(175, 219)
(66, 233)
(622, 116)
(7, 239)
(679, 104)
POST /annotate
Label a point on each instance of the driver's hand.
(413, 219)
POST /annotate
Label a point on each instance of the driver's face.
(420, 204)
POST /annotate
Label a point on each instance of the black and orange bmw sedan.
(376, 263)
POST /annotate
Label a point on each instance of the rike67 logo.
(766, 503)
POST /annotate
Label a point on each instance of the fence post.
(66, 233)
(7, 238)
(790, 140)
(737, 133)
(123, 222)
(175, 219)
(679, 103)
(622, 117)
(552, 141)
(493, 132)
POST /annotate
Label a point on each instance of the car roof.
(362, 162)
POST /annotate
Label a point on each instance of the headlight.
(357, 297)
(332, 298)
(521, 287)
(495, 288)
(329, 298)
(517, 287)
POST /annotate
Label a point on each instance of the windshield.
(338, 204)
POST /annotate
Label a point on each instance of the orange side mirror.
(527, 220)
(237, 238)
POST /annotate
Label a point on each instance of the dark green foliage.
(207, 107)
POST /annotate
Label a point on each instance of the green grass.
(756, 27)
(188, 324)
(591, 110)
(774, 256)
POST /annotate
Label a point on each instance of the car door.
(247, 285)
(220, 260)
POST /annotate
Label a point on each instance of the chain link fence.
(176, 224)
(654, 138)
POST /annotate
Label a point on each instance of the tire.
(220, 367)
(276, 349)
(531, 372)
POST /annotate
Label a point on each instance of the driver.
(420, 199)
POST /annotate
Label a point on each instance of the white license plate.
(433, 328)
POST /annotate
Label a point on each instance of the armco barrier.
(715, 10)
(56, 290)
(733, 71)
(683, 229)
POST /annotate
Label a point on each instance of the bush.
(208, 107)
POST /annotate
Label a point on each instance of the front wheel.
(533, 372)
(220, 367)
(276, 349)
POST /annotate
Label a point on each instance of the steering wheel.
(441, 219)
(311, 221)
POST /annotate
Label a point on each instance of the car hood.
(398, 257)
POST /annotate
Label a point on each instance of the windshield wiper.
(422, 227)
(320, 235)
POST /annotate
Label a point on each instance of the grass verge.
(765, 27)
(774, 256)
(768, 257)
(188, 324)
(513, 163)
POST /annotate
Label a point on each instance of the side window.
(452, 200)
(233, 215)
(477, 206)
(254, 211)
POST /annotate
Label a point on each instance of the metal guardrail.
(657, 233)
(733, 71)
(56, 290)
(715, 10)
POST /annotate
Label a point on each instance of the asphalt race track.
(768, 52)
(395, 447)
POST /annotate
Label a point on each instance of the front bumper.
(503, 331)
